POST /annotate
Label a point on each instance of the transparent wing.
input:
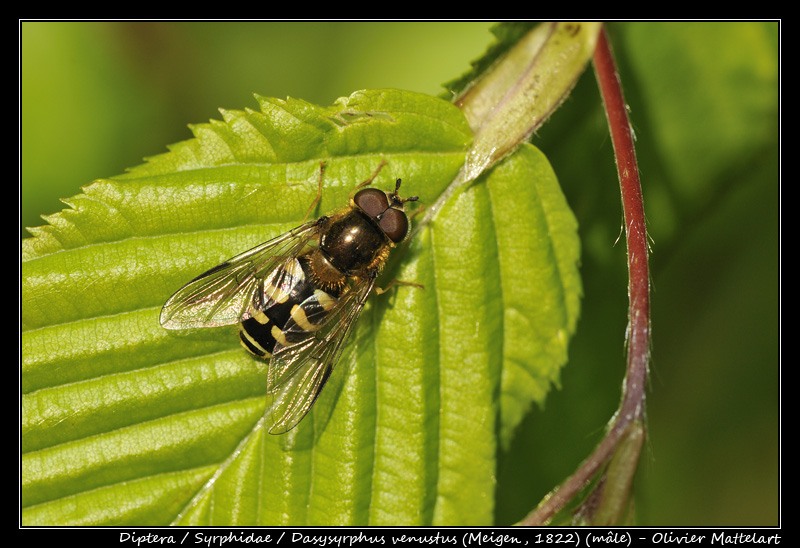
(298, 371)
(229, 292)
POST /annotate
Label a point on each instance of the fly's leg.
(319, 192)
(381, 291)
(371, 178)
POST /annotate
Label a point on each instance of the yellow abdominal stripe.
(277, 334)
(277, 294)
(299, 314)
(300, 318)
(324, 300)
(253, 342)
(287, 278)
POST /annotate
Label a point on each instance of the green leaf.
(124, 422)
(520, 91)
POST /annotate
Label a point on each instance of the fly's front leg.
(322, 165)
(368, 181)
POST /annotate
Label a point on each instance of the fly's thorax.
(324, 274)
(353, 244)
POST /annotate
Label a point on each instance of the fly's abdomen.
(292, 309)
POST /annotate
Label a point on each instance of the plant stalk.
(630, 414)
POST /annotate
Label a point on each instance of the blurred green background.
(96, 98)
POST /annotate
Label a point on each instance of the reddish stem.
(635, 231)
(633, 396)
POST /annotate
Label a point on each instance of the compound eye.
(372, 201)
(394, 224)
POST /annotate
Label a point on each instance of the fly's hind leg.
(382, 290)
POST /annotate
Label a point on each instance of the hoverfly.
(297, 296)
